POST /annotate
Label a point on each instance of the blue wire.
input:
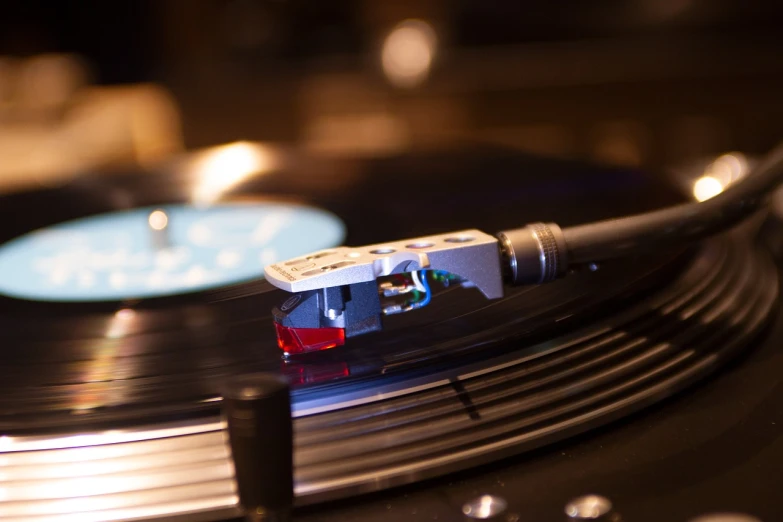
(426, 285)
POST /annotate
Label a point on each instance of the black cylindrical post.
(257, 408)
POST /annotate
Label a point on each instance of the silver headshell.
(471, 254)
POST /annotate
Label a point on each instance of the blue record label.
(160, 251)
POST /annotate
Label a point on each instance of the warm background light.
(408, 52)
(221, 168)
(706, 187)
(725, 170)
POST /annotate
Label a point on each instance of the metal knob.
(590, 507)
(485, 507)
(257, 409)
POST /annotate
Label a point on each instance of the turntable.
(131, 300)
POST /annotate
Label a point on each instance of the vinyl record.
(76, 360)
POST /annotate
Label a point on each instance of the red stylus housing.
(304, 340)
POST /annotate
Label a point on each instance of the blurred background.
(651, 83)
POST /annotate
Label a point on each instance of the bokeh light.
(725, 170)
(408, 52)
(224, 167)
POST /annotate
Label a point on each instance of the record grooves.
(133, 387)
(527, 398)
